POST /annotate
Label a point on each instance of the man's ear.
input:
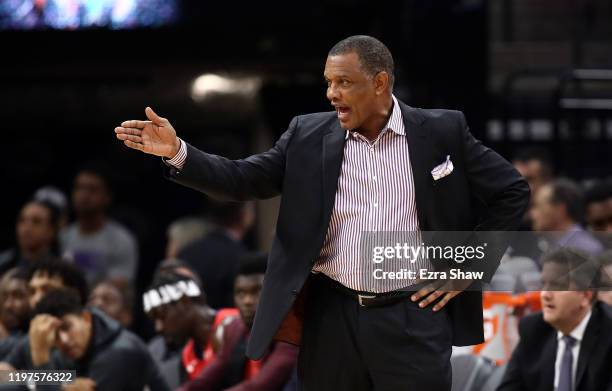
(381, 82)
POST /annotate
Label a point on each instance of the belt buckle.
(361, 297)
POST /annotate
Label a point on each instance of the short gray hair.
(373, 55)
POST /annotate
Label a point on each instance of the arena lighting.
(210, 84)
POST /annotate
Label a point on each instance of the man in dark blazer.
(567, 346)
(318, 165)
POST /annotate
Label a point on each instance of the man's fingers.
(430, 298)
(440, 304)
(427, 289)
(156, 119)
(136, 139)
(135, 124)
(134, 145)
(134, 131)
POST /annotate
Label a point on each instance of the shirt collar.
(395, 122)
(578, 331)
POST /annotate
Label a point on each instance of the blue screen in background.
(84, 14)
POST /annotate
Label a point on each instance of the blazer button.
(294, 292)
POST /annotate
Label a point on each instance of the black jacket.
(483, 193)
(532, 366)
(116, 359)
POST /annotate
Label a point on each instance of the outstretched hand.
(155, 136)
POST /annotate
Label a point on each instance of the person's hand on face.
(155, 136)
(42, 335)
(80, 384)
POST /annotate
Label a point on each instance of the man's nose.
(332, 93)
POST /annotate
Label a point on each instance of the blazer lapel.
(421, 160)
(549, 354)
(333, 148)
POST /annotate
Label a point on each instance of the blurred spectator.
(605, 283)
(535, 165)
(43, 277)
(36, 229)
(98, 245)
(215, 256)
(54, 196)
(185, 316)
(183, 232)
(558, 208)
(113, 300)
(14, 304)
(568, 346)
(167, 352)
(599, 207)
(14, 309)
(65, 335)
(231, 369)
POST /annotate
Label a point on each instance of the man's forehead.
(342, 63)
(249, 280)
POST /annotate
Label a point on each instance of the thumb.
(156, 119)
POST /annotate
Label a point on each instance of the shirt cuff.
(178, 161)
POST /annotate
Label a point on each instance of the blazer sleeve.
(256, 177)
(495, 182)
(503, 192)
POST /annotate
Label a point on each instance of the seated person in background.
(558, 212)
(605, 283)
(43, 277)
(216, 255)
(113, 300)
(101, 247)
(177, 304)
(599, 207)
(167, 352)
(36, 230)
(55, 273)
(65, 335)
(231, 369)
(14, 309)
(568, 346)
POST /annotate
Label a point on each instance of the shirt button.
(376, 204)
(374, 177)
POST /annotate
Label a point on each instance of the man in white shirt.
(567, 347)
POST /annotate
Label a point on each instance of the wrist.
(40, 356)
(175, 148)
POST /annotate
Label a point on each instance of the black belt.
(368, 299)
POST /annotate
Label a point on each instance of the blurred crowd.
(68, 296)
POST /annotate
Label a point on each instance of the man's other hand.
(155, 136)
(441, 291)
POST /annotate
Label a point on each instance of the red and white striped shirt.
(375, 194)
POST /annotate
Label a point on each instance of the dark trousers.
(346, 347)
